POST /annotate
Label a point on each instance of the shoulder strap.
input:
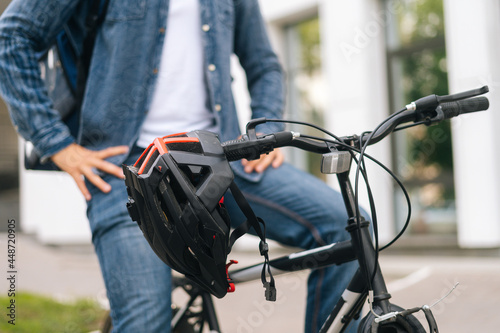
(255, 222)
(94, 19)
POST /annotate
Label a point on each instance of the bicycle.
(338, 155)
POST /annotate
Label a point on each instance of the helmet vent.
(195, 174)
(189, 147)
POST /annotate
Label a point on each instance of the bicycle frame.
(338, 155)
(359, 246)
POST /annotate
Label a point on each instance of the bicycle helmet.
(176, 191)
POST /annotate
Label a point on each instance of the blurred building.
(348, 66)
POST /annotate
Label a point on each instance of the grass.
(40, 314)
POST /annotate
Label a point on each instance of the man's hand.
(274, 158)
(80, 162)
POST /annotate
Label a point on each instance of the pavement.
(69, 272)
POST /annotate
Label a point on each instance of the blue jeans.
(299, 211)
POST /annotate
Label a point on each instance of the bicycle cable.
(370, 196)
(360, 163)
(393, 176)
(360, 169)
(371, 204)
(363, 147)
(369, 192)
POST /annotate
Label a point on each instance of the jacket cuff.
(50, 141)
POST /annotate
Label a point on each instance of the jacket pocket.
(120, 10)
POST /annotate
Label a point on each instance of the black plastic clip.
(270, 292)
(263, 248)
(133, 211)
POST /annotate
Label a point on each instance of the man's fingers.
(98, 162)
(109, 168)
(250, 165)
(279, 159)
(97, 181)
(274, 158)
(263, 163)
(111, 151)
(80, 183)
(80, 162)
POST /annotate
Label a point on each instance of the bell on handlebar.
(335, 162)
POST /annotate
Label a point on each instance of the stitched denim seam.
(312, 229)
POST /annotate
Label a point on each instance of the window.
(305, 83)
(422, 155)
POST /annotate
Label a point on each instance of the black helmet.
(176, 193)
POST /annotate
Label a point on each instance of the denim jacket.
(124, 67)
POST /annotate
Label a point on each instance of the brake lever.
(463, 95)
(250, 128)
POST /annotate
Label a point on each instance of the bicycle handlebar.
(252, 149)
(426, 110)
(453, 109)
(442, 112)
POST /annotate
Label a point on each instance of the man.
(161, 67)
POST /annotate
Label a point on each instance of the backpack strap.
(95, 17)
(255, 222)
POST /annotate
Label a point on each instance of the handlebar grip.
(237, 149)
(453, 109)
(252, 149)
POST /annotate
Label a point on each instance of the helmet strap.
(255, 222)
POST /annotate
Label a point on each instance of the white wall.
(473, 51)
(51, 206)
(355, 64)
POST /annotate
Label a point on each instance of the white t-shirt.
(180, 100)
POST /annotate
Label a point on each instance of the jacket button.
(211, 67)
(217, 107)
(155, 71)
(161, 30)
(205, 27)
